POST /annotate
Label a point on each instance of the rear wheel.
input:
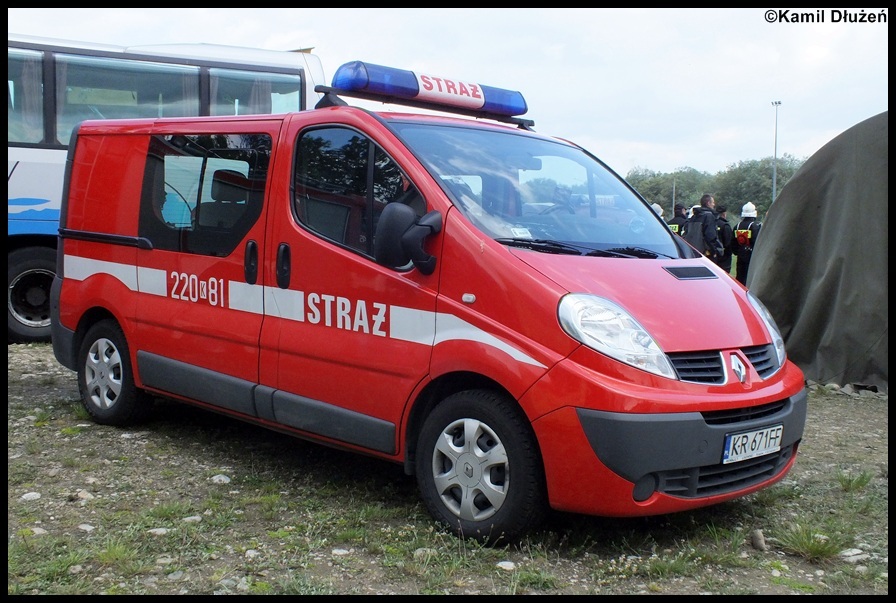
(106, 378)
(478, 468)
(29, 276)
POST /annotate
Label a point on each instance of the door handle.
(250, 262)
(284, 266)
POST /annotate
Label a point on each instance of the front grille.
(699, 367)
(718, 479)
(763, 359)
(739, 415)
(706, 367)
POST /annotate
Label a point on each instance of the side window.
(24, 96)
(248, 92)
(92, 87)
(203, 193)
(343, 181)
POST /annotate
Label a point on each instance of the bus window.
(242, 92)
(100, 88)
(24, 96)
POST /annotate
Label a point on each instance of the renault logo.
(738, 368)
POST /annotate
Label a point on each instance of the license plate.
(750, 444)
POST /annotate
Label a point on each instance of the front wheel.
(478, 468)
(106, 379)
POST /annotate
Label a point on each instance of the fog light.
(644, 488)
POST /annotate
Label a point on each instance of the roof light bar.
(387, 84)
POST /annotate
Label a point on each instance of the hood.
(686, 305)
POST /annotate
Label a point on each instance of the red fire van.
(452, 291)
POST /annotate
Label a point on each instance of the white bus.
(54, 84)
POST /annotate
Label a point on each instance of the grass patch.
(854, 482)
(815, 543)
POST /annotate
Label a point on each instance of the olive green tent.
(820, 262)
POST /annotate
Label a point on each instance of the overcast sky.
(658, 89)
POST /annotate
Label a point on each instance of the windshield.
(529, 191)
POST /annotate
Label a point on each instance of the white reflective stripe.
(152, 281)
(405, 324)
(284, 303)
(245, 297)
(450, 327)
(416, 326)
(79, 269)
(145, 280)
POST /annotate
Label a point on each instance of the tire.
(478, 468)
(106, 378)
(29, 276)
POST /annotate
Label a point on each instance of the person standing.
(676, 222)
(726, 236)
(701, 232)
(745, 234)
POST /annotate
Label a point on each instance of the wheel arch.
(434, 394)
(91, 317)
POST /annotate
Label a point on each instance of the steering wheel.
(557, 207)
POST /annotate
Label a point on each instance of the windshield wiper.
(551, 246)
(638, 252)
(545, 245)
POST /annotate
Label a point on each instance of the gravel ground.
(67, 476)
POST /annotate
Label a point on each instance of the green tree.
(685, 185)
(749, 180)
(752, 181)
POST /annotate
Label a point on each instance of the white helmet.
(748, 210)
(657, 208)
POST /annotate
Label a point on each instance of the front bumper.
(680, 454)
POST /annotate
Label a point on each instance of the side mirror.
(400, 236)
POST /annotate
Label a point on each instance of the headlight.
(772, 327)
(602, 325)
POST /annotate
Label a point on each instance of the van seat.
(230, 190)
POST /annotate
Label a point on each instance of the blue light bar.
(376, 80)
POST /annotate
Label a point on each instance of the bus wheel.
(478, 468)
(106, 379)
(29, 276)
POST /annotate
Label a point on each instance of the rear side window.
(203, 193)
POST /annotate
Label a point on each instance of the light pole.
(673, 194)
(674, 178)
(775, 104)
